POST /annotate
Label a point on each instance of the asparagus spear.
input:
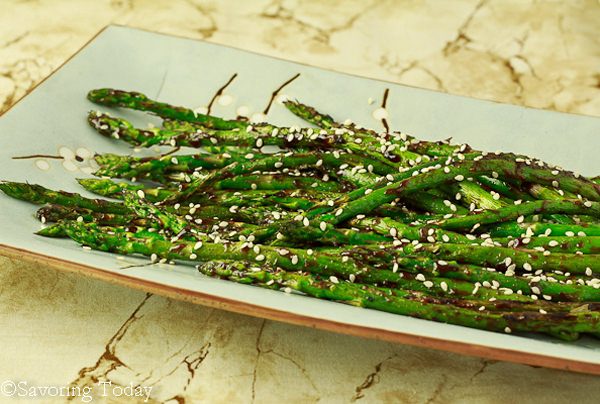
(156, 168)
(583, 244)
(39, 195)
(228, 267)
(119, 128)
(513, 229)
(116, 166)
(572, 207)
(495, 256)
(138, 101)
(400, 302)
(55, 213)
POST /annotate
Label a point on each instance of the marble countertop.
(65, 330)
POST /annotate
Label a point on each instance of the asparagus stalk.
(572, 207)
(138, 101)
(400, 302)
(39, 195)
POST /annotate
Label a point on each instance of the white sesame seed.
(507, 330)
(306, 222)
(420, 277)
(333, 279)
(459, 177)
(294, 259)
(569, 234)
(260, 257)
(588, 271)
(521, 219)
(141, 193)
(428, 284)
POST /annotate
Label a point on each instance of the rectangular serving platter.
(188, 72)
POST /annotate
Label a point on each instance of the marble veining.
(63, 329)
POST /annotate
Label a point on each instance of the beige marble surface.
(62, 329)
